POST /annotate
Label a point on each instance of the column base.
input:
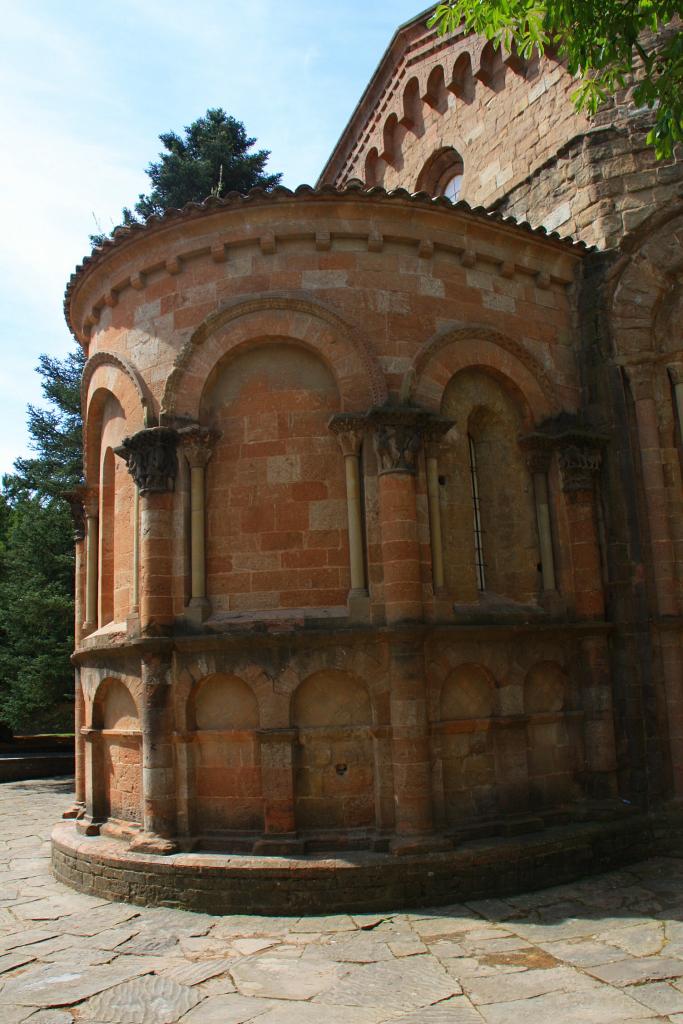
(87, 628)
(76, 810)
(286, 845)
(198, 610)
(359, 606)
(88, 826)
(150, 842)
(133, 624)
(402, 846)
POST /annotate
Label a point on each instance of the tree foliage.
(606, 44)
(212, 158)
(36, 555)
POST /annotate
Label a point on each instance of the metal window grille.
(476, 508)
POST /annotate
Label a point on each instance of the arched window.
(442, 175)
(476, 510)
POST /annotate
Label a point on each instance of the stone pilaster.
(538, 455)
(158, 776)
(580, 457)
(277, 781)
(152, 461)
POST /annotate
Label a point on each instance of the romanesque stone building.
(381, 549)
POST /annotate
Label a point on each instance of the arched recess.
(223, 717)
(276, 489)
(462, 82)
(374, 168)
(335, 770)
(436, 95)
(550, 739)
(492, 69)
(107, 554)
(103, 375)
(458, 348)
(412, 118)
(645, 286)
(117, 775)
(392, 136)
(464, 747)
(358, 375)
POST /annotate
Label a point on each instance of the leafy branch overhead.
(607, 45)
(212, 157)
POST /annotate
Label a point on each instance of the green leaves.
(606, 44)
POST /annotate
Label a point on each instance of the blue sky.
(85, 90)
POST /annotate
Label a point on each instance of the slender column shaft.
(355, 522)
(197, 531)
(435, 520)
(156, 557)
(135, 595)
(678, 395)
(158, 775)
(79, 743)
(92, 554)
(545, 538)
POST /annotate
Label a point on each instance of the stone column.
(135, 594)
(158, 774)
(538, 461)
(277, 781)
(398, 435)
(153, 463)
(77, 808)
(88, 823)
(349, 433)
(197, 444)
(432, 436)
(676, 374)
(91, 508)
(661, 544)
(580, 457)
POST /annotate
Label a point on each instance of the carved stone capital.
(76, 500)
(579, 465)
(151, 458)
(675, 371)
(433, 432)
(197, 444)
(349, 430)
(155, 669)
(398, 434)
(91, 503)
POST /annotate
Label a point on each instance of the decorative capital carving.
(579, 464)
(640, 378)
(151, 458)
(197, 444)
(398, 435)
(76, 500)
(675, 371)
(155, 669)
(349, 431)
(91, 503)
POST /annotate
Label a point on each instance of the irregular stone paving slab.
(50, 1017)
(657, 995)
(639, 940)
(57, 985)
(629, 972)
(356, 947)
(407, 947)
(308, 1013)
(458, 1010)
(196, 973)
(281, 978)
(10, 961)
(246, 947)
(401, 985)
(526, 985)
(25, 937)
(333, 923)
(605, 1006)
(583, 952)
(101, 919)
(254, 926)
(147, 1000)
(229, 1009)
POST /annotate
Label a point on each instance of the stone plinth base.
(359, 881)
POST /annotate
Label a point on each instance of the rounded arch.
(331, 697)
(107, 381)
(390, 142)
(644, 282)
(462, 80)
(461, 348)
(123, 366)
(468, 691)
(358, 375)
(114, 706)
(222, 702)
(443, 165)
(435, 94)
(412, 107)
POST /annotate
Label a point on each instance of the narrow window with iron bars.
(476, 509)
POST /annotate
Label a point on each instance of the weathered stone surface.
(227, 1009)
(407, 984)
(628, 972)
(602, 1006)
(57, 985)
(282, 978)
(147, 1000)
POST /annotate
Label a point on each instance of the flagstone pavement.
(605, 950)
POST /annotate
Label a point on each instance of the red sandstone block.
(258, 519)
(292, 516)
(307, 558)
(309, 490)
(322, 538)
(262, 449)
(281, 540)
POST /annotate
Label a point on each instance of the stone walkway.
(603, 951)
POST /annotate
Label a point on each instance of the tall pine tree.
(36, 553)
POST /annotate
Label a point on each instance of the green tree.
(606, 44)
(212, 158)
(36, 555)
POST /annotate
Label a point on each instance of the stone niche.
(340, 603)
